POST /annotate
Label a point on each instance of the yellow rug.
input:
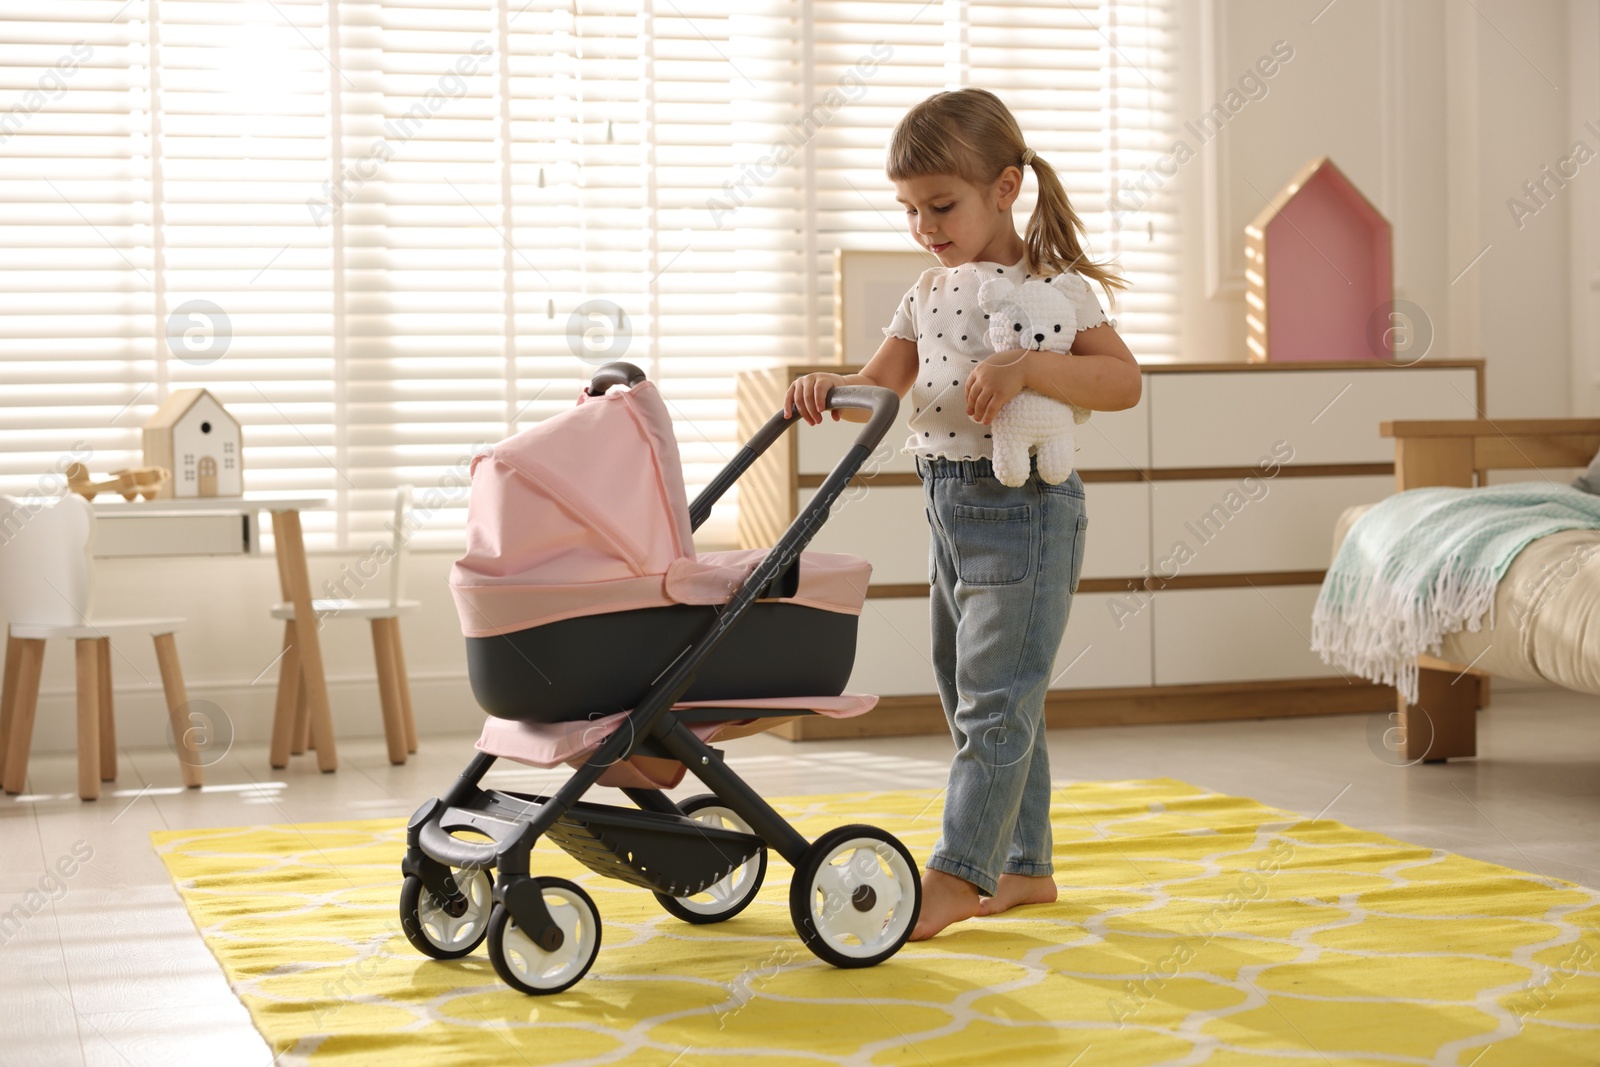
(1192, 928)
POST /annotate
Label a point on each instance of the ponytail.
(1053, 233)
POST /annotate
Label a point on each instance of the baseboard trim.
(900, 716)
(1151, 583)
(444, 706)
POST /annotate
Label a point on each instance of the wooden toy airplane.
(139, 481)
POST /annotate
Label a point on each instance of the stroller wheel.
(530, 969)
(734, 893)
(429, 924)
(855, 896)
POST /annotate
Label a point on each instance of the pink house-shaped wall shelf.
(1319, 267)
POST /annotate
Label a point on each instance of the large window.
(384, 232)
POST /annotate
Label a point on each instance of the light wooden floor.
(114, 973)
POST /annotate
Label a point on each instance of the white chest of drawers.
(1211, 511)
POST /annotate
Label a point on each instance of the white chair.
(47, 590)
(291, 727)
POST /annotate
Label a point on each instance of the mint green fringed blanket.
(1423, 564)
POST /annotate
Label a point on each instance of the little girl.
(1003, 562)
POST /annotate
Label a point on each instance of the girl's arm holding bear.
(1105, 377)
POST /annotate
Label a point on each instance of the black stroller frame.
(658, 845)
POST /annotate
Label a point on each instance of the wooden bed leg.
(1443, 724)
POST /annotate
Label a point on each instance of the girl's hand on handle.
(808, 395)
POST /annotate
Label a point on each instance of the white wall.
(1438, 111)
(1583, 66)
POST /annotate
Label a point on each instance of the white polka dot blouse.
(942, 315)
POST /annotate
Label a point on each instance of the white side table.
(190, 526)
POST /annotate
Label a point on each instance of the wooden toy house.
(1319, 270)
(193, 436)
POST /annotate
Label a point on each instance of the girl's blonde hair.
(971, 134)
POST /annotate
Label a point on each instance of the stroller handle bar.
(885, 408)
(882, 403)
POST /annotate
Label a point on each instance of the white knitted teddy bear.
(1038, 315)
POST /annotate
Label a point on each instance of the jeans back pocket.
(993, 546)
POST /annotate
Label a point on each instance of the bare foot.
(1015, 889)
(946, 899)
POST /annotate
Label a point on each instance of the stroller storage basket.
(656, 850)
(664, 853)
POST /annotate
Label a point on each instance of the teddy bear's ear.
(995, 294)
(1057, 309)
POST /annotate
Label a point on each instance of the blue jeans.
(1003, 565)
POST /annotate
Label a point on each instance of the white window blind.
(1093, 87)
(386, 232)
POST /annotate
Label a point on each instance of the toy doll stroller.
(597, 636)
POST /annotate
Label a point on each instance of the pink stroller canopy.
(587, 513)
